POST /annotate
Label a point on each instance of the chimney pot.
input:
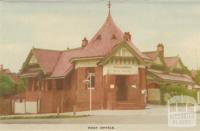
(1, 67)
(127, 36)
(161, 49)
(84, 42)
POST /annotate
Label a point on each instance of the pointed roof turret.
(109, 7)
(106, 38)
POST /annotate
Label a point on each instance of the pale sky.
(58, 25)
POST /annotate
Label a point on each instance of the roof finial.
(109, 6)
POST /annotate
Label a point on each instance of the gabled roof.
(118, 46)
(64, 66)
(151, 54)
(172, 77)
(58, 63)
(172, 61)
(105, 39)
(47, 59)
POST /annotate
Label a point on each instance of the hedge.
(176, 90)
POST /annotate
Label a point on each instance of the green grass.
(41, 117)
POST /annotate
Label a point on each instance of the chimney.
(161, 49)
(1, 67)
(84, 42)
(127, 36)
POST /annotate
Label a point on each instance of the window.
(67, 82)
(40, 84)
(35, 85)
(49, 85)
(91, 78)
(30, 84)
(59, 84)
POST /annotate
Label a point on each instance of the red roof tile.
(47, 59)
(171, 61)
(105, 39)
(64, 66)
(58, 62)
(172, 76)
(151, 54)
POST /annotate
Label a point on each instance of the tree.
(20, 86)
(9, 87)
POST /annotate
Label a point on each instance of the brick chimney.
(1, 67)
(161, 49)
(127, 36)
(84, 42)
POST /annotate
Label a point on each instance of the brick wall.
(5, 106)
(83, 93)
(76, 94)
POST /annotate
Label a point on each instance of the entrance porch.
(124, 92)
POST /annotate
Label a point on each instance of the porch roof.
(172, 77)
(29, 74)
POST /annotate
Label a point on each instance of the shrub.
(9, 87)
(174, 90)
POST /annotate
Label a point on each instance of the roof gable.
(158, 61)
(151, 55)
(122, 50)
(174, 62)
(171, 77)
(33, 60)
(102, 43)
(46, 59)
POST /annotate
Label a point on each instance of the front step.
(127, 105)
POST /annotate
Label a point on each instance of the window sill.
(91, 88)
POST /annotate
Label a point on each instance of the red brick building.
(165, 70)
(106, 72)
(109, 65)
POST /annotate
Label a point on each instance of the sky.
(59, 24)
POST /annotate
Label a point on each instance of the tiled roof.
(64, 66)
(174, 77)
(47, 59)
(171, 61)
(58, 64)
(151, 54)
(105, 39)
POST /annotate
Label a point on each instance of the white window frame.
(90, 80)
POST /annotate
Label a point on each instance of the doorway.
(121, 86)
